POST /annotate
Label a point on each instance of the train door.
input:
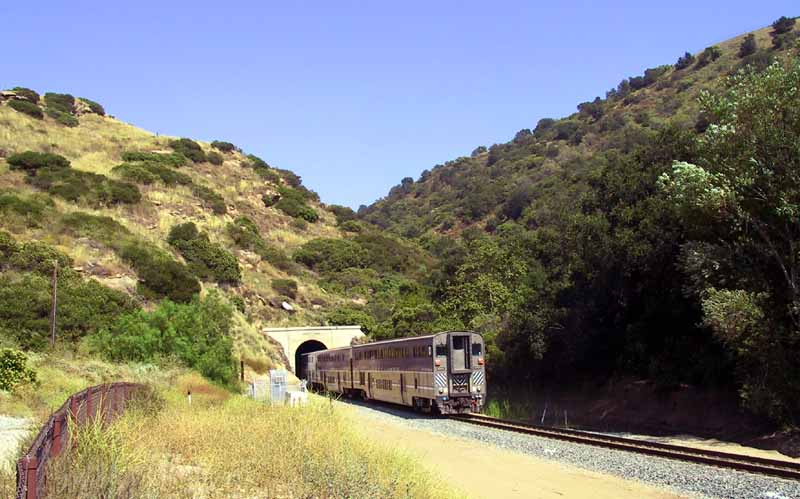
(459, 352)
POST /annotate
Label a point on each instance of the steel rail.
(760, 465)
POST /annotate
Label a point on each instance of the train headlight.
(478, 389)
(441, 390)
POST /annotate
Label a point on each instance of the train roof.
(409, 338)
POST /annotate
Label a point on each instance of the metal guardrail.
(102, 401)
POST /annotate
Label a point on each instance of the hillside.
(114, 204)
(552, 161)
(649, 234)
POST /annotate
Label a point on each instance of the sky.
(353, 96)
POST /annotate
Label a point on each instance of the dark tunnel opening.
(305, 347)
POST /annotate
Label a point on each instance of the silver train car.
(442, 372)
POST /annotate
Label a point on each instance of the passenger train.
(442, 372)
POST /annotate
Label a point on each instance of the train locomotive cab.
(459, 372)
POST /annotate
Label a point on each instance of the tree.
(684, 61)
(748, 46)
(742, 198)
(783, 25)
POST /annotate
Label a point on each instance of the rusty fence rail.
(102, 401)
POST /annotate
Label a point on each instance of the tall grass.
(221, 447)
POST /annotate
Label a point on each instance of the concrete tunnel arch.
(307, 346)
(292, 338)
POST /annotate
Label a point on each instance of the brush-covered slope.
(138, 218)
(550, 163)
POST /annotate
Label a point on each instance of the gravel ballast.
(691, 479)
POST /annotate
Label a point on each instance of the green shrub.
(291, 177)
(343, 213)
(31, 161)
(783, 25)
(269, 200)
(148, 172)
(27, 94)
(245, 235)
(135, 172)
(189, 148)
(26, 107)
(94, 106)
(238, 302)
(65, 119)
(350, 282)
(60, 102)
(36, 256)
(257, 163)
(206, 259)
(196, 333)
(684, 61)
(169, 159)
(75, 185)
(709, 55)
(293, 203)
(346, 316)
(331, 254)
(159, 274)
(30, 210)
(14, 369)
(223, 146)
(214, 158)
(748, 46)
(351, 226)
(285, 287)
(211, 198)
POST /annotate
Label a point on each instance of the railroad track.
(763, 466)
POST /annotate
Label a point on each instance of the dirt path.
(499, 474)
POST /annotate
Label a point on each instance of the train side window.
(441, 350)
(430, 350)
(476, 349)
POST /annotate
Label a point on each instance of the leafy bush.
(197, 333)
(27, 94)
(707, 56)
(343, 213)
(211, 198)
(245, 234)
(257, 163)
(26, 107)
(65, 119)
(783, 25)
(351, 226)
(748, 46)
(31, 210)
(169, 159)
(684, 61)
(285, 287)
(206, 259)
(74, 185)
(223, 146)
(331, 254)
(94, 106)
(214, 158)
(60, 102)
(159, 274)
(31, 161)
(785, 40)
(293, 203)
(135, 172)
(351, 282)
(298, 224)
(14, 369)
(269, 200)
(188, 148)
(238, 303)
(350, 317)
(38, 257)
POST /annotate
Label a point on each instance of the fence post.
(31, 465)
(56, 448)
(89, 405)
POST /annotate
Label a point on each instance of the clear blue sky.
(353, 96)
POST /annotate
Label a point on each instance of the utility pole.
(53, 305)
